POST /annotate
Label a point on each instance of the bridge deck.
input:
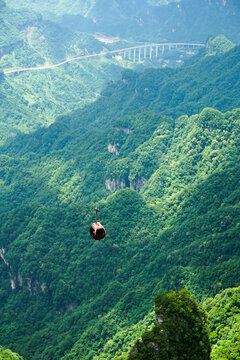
(103, 53)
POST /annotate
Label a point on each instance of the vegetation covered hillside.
(181, 21)
(101, 291)
(79, 7)
(28, 41)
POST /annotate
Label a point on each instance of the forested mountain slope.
(177, 226)
(182, 21)
(82, 7)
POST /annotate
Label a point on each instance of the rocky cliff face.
(113, 148)
(2, 255)
(17, 281)
(117, 183)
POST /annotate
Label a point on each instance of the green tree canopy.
(181, 332)
(6, 354)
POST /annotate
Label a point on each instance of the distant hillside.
(33, 99)
(79, 7)
(179, 21)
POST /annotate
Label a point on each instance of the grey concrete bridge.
(139, 52)
(134, 53)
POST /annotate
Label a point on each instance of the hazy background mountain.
(185, 20)
(83, 8)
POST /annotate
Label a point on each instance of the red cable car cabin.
(97, 231)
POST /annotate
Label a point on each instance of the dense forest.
(157, 151)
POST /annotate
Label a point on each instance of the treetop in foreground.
(181, 330)
(6, 354)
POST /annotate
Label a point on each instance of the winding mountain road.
(103, 53)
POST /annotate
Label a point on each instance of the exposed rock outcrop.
(43, 287)
(17, 281)
(116, 183)
(65, 308)
(113, 149)
(13, 281)
(2, 255)
(125, 130)
(138, 184)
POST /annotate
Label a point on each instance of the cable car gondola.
(96, 230)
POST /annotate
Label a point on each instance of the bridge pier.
(156, 51)
(134, 55)
(145, 52)
(129, 55)
(163, 49)
(139, 54)
(150, 52)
